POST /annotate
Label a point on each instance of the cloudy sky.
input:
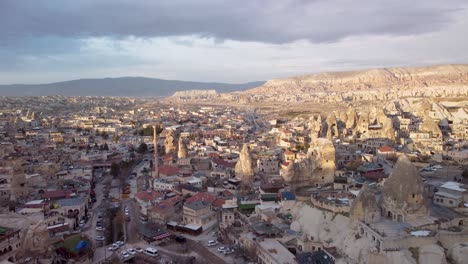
(226, 41)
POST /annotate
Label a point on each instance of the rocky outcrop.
(182, 152)
(169, 146)
(195, 93)
(432, 254)
(370, 85)
(244, 166)
(403, 191)
(318, 167)
(459, 253)
(364, 207)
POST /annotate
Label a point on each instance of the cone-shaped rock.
(403, 191)
(182, 153)
(243, 167)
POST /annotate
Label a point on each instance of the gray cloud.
(261, 20)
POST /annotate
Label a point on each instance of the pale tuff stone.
(459, 253)
(403, 191)
(432, 254)
(244, 169)
(364, 207)
(169, 142)
(182, 153)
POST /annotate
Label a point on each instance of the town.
(137, 180)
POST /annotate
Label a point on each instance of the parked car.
(228, 251)
(221, 249)
(212, 243)
(180, 239)
(113, 248)
(120, 243)
(100, 228)
(125, 254)
(82, 223)
(151, 252)
(100, 238)
(131, 251)
(139, 250)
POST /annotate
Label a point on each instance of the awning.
(162, 236)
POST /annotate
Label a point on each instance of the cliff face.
(386, 83)
(396, 78)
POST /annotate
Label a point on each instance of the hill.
(123, 86)
(365, 85)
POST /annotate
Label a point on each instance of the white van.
(151, 252)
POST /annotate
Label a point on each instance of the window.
(450, 202)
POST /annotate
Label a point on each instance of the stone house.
(450, 194)
(199, 213)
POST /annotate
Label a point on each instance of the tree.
(105, 147)
(115, 169)
(465, 173)
(142, 148)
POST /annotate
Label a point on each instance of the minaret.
(156, 159)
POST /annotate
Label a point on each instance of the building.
(271, 251)
(268, 165)
(450, 194)
(199, 213)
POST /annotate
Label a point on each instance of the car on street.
(221, 249)
(180, 239)
(100, 238)
(212, 243)
(228, 251)
(82, 223)
(139, 249)
(125, 254)
(151, 252)
(113, 248)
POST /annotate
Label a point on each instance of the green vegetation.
(70, 243)
(414, 253)
(142, 148)
(465, 173)
(115, 170)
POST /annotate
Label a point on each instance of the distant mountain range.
(123, 86)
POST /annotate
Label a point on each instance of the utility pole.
(155, 148)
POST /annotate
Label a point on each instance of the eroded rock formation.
(182, 152)
(244, 166)
(403, 192)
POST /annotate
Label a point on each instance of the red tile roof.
(148, 195)
(166, 205)
(168, 170)
(218, 202)
(223, 163)
(227, 194)
(385, 149)
(57, 194)
(201, 197)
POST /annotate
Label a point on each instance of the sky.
(224, 41)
